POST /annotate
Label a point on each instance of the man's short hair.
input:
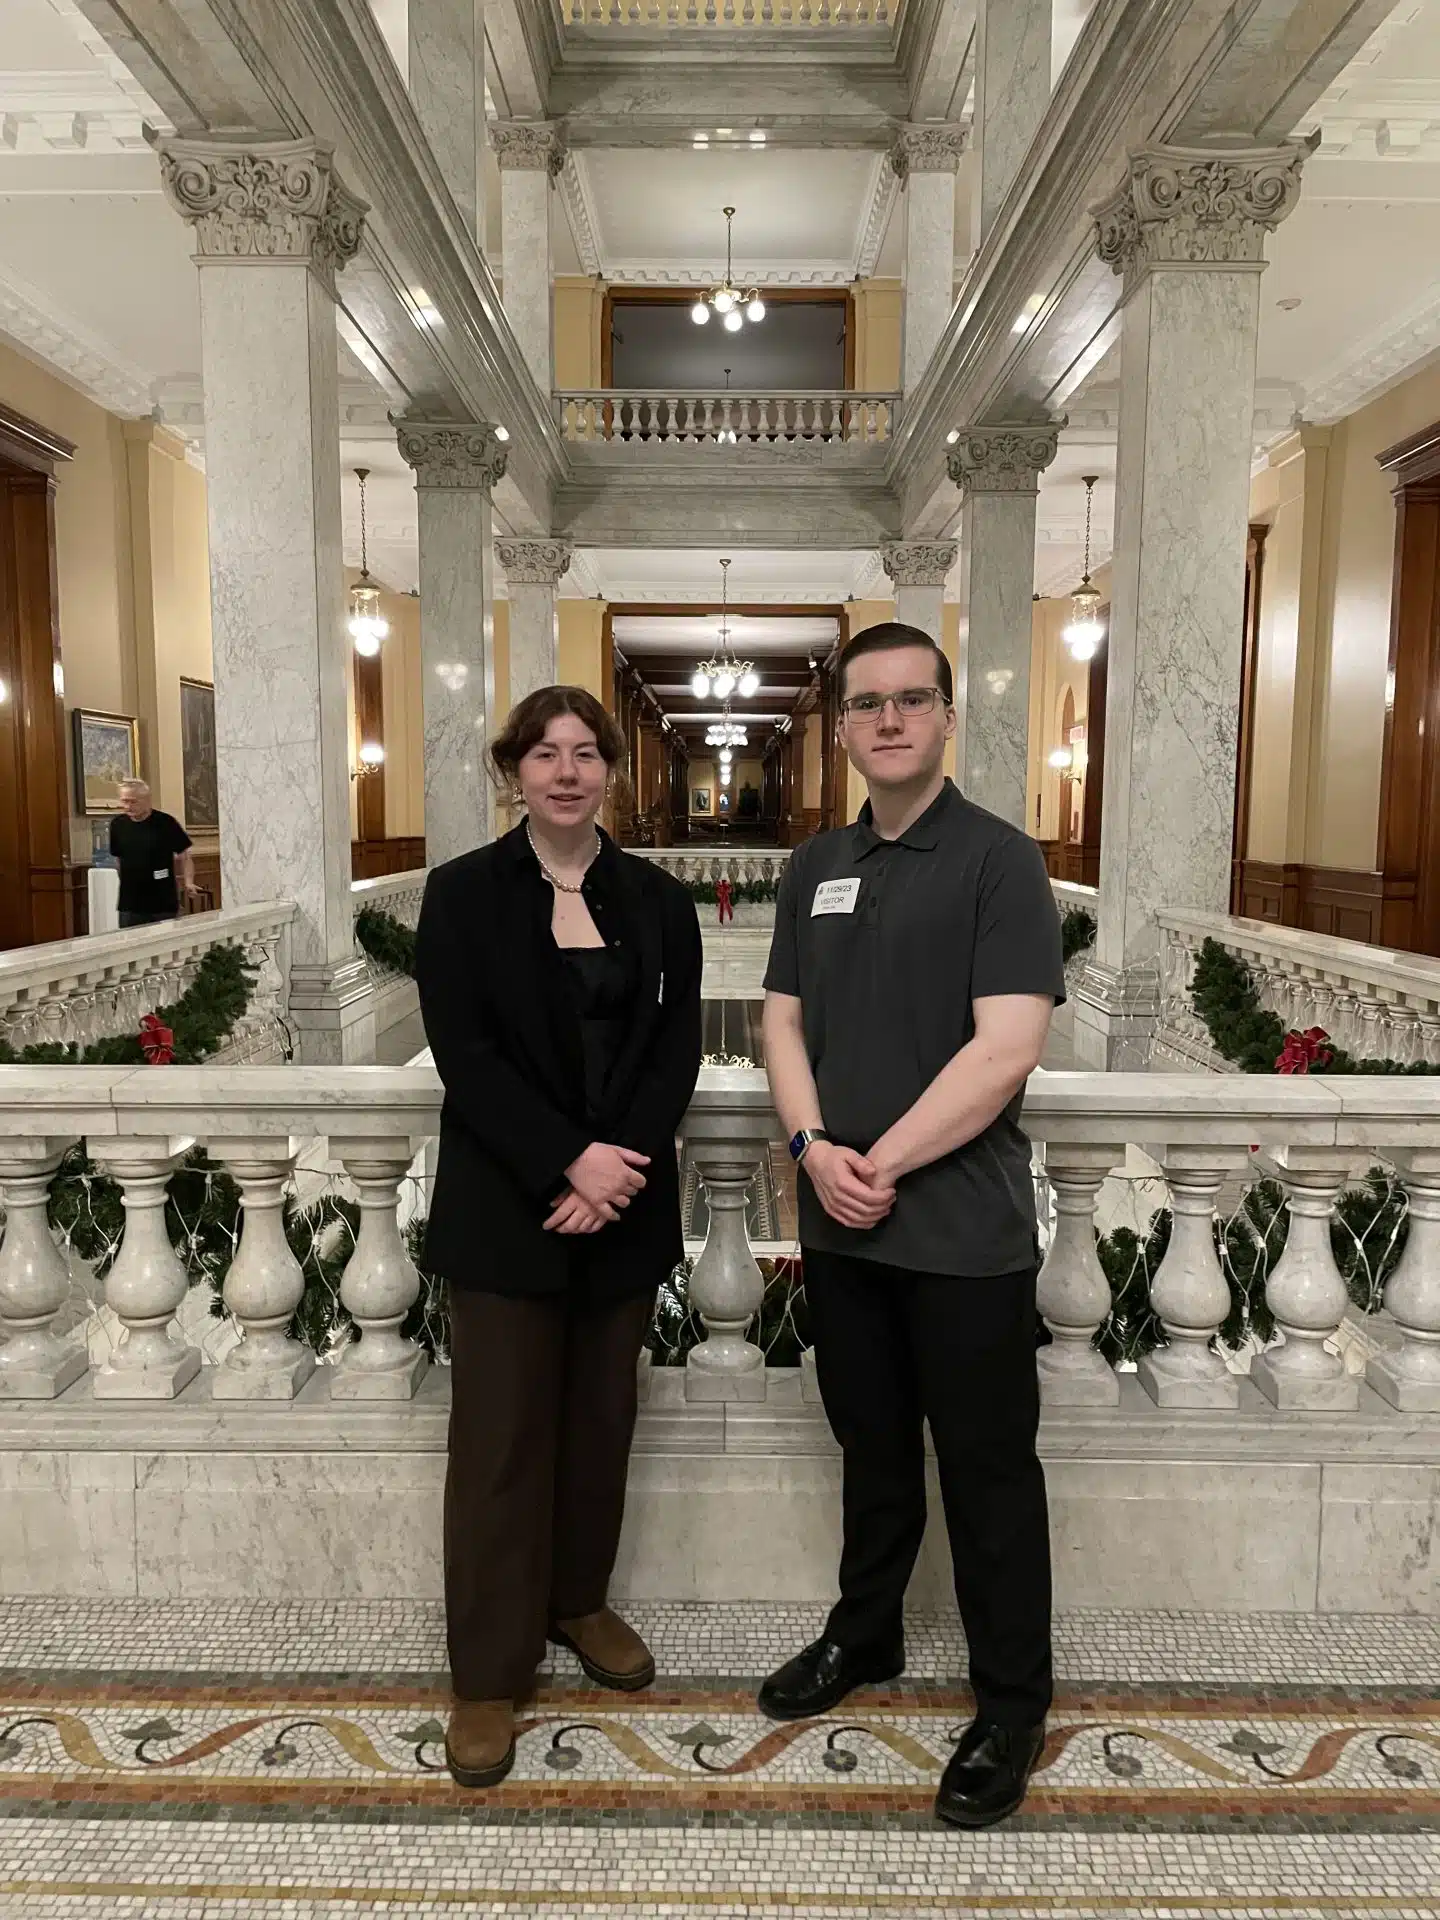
(135, 786)
(890, 637)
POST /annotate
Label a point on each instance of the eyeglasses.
(865, 709)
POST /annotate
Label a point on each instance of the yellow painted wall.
(812, 768)
(877, 336)
(579, 306)
(582, 627)
(863, 614)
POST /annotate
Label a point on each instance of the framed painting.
(700, 800)
(107, 751)
(197, 755)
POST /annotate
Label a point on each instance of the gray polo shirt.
(887, 945)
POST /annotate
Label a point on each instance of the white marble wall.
(533, 571)
(447, 84)
(456, 467)
(997, 578)
(922, 607)
(1012, 90)
(272, 456)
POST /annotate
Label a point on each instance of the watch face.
(797, 1146)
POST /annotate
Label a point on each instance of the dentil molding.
(1002, 459)
(1194, 207)
(276, 201)
(919, 563)
(528, 146)
(59, 341)
(534, 563)
(449, 453)
(927, 148)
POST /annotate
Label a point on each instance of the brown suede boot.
(612, 1653)
(480, 1742)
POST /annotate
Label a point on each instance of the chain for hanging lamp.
(368, 626)
(1085, 630)
(735, 305)
(722, 674)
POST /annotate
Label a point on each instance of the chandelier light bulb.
(725, 776)
(724, 300)
(372, 754)
(726, 756)
(367, 641)
(756, 310)
(1085, 631)
(1083, 639)
(1062, 759)
(749, 685)
(724, 685)
(700, 313)
(734, 320)
(700, 686)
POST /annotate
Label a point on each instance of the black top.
(888, 944)
(500, 1014)
(145, 852)
(603, 986)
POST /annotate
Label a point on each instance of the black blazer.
(501, 1024)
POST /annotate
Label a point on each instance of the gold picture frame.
(107, 751)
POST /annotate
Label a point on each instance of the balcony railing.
(743, 865)
(1246, 1224)
(721, 420)
(729, 13)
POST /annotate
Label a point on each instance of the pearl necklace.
(562, 886)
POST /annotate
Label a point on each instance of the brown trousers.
(541, 1420)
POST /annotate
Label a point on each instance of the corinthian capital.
(1002, 459)
(925, 148)
(452, 453)
(280, 200)
(1198, 207)
(534, 563)
(919, 563)
(528, 146)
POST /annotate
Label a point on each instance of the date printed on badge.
(835, 896)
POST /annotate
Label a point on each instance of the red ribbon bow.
(722, 901)
(157, 1042)
(1304, 1051)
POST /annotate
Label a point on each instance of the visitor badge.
(160, 873)
(835, 896)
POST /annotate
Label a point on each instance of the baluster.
(265, 1283)
(380, 1284)
(748, 12)
(727, 1288)
(35, 1363)
(145, 1286)
(1189, 1292)
(1409, 1377)
(730, 12)
(767, 12)
(1306, 1293)
(672, 12)
(824, 14)
(1373, 1024)
(710, 15)
(882, 10)
(1427, 1039)
(692, 12)
(1073, 1294)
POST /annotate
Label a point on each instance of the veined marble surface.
(457, 633)
(447, 84)
(929, 268)
(997, 579)
(534, 638)
(1012, 91)
(525, 196)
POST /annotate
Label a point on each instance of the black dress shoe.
(988, 1773)
(819, 1678)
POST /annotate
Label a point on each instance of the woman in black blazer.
(560, 986)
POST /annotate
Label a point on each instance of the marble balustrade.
(1111, 1151)
(699, 419)
(1374, 1003)
(745, 864)
(729, 13)
(92, 988)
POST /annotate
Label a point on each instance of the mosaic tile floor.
(187, 1760)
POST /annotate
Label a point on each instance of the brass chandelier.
(722, 674)
(735, 305)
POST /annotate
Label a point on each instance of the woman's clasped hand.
(602, 1180)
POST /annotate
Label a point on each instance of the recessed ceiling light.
(502, 433)
(701, 140)
(952, 436)
(757, 136)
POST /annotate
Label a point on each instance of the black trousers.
(130, 918)
(541, 1419)
(893, 1349)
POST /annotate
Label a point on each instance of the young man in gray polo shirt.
(914, 971)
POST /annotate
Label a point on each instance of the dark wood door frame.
(1409, 829)
(1245, 740)
(37, 897)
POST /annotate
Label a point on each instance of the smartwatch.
(804, 1140)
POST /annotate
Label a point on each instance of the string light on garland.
(1085, 630)
(368, 626)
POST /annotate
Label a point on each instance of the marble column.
(533, 570)
(456, 465)
(531, 154)
(919, 569)
(273, 226)
(1012, 91)
(998, 471)
(447, 85)
(1187, 233)
(925, 158)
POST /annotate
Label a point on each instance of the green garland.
(755, 893)
(201, 1020)
(1077, 932)
(388, 941)
(1249, 1035)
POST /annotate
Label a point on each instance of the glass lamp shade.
(1062, 759)
(723, 301)
(756, 310)
(749, 685)
(372, 754)
(700, 313)
(700, 686)
(734, 320)
(724, 685)
(1084, 633)
(725, 776)
(368, 626)
(726, 756)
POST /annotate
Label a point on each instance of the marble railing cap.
(1413, 973)
(67, 963)
(283, 1099)
(1192, 1109)
(413, 878)
(59, 1100)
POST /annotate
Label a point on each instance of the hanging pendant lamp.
(368, 626)
(1085, 630)
(735, 305)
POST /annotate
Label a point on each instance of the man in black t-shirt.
(150, 848)
(914, 971)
